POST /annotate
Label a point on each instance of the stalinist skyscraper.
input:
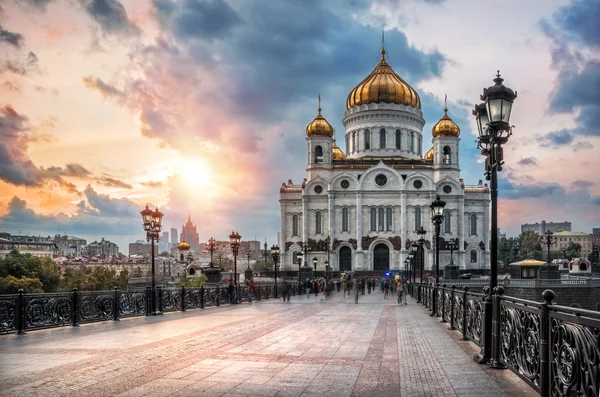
(190, 235)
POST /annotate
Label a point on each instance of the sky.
(200, 106)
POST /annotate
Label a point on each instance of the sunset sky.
(201, 106)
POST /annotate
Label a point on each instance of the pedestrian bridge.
(309, 346)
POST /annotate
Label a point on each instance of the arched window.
(411, 142)
(367, 139)
(447, 222)
(181, 257)
(417, 218)
(473, 224)
(473, 256)
(373, 219)
(345, 219)
(447, 155)
(388, 223)
(295, 225)
(318, 154)
(318, 222)
(381, 219)
(382, 138)
(398, 139)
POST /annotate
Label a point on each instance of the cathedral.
(359, 210)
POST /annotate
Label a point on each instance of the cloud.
(580, 21)
(107, 90)
(23, 65)
(153, 184)
(556, 139)
(528, 161)
(37, 4)
(580, 184)
(14, 39)
(11, 86)
(112, 182)
(111, 16)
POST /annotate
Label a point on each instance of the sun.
(196, 172)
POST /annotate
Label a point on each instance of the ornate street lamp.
(299, 260)
(248, 272)
(421, 233)
(327, 269)
(406, 265)
(516, 249)
(275, 256)
(411, 265)
(452, 246)
(494, 129)
(437, 217)
(414, 248)
(548, 239)
(315, 260)
(152, 223)
(234, 240)
(211, 247)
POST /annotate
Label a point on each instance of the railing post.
(21, 310)
(419, 292)
(434, 301)
(545, 326)
(75, 309)
(443, 307)
(116, 298)
(202, 297)
(159, 292)
(496, 306)
(452, 319)
(219, 296)
(484, 355)
(465, 303)
(182, 298)
(149, 298)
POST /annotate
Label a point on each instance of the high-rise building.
(174, 238)
(189, 234)
(541, 228)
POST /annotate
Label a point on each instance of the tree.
(192, 282)
(573, 250)
(530, 246)
(12, 285)
(97, 279)
(21, 265)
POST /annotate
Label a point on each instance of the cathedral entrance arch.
(345, 259)
(381, 257)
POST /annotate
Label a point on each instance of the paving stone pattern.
(309, 347)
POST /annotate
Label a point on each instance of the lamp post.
(326, 269)
(152, 223)
(406, 264)
(437, 216)
(414, 248)
(314, 261)
(452, 246)
(211, 247)
(234, 240)
(411, 265)
(494, 129)
(548, 239)
(299, 260)
(421, 233)
(515, 251)
(275, 255)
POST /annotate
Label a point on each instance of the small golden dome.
(319, 126)
(445, 127)
(337, 153)
(429, 154)
(183, 246)
(383, 85)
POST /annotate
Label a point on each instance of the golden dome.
(183, 246)
(337, 153)
(383, 85)
(319, 126)
(429, 154)
(445, 127)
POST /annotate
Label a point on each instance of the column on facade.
(282, 237)
(305, 220)
(359, 221)
(331, 219)
(461, 232)
(486, 237)
(404, 227)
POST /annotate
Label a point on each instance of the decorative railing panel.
(132, 303)
(96, 306)
(48, 310)
(171, 300)
(574, 352)
(225, 296)
(458, 311)
(439, 292)
(193, 298)
(243, 291)
(474, 314)
(8, 313)
(520, 338)
(210, 297)
(447, 304)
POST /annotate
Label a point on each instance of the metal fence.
(555, 349)
(27, 312)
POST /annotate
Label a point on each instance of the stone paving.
(309, 347)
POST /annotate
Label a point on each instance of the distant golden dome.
(445, 127)
(183, 246)
(319, 126)
(383, 85)
(429, 154)
(337, 152)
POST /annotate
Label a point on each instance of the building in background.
(541, 228)
(102, 248)
(189, 234)
(596, 237)
(163, 244)
(563, 239)
(69, 245)
(174, 236)
(34, 245)
(142, 248)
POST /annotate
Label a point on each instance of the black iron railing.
(554, 349)
(27, 312)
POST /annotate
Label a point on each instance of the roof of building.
(567, 233)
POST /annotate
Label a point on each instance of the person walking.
(345, 287)
(307, 285)
(251, 290)
(386, 289)
(356, 291)
(404, 288)
(285, 290)
(232, 294)
(369, 285)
